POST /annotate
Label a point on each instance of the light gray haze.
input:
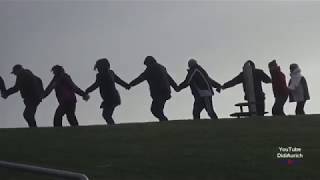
(220, 35)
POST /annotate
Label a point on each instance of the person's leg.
(198, 106)
(57, 122)
(157, 107)
(283, 100)
(209, 107)
(29, 113)
(107, 114)
(71, 116)
(260, 107)
(276, 109)
(300, 108)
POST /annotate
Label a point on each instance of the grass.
(225, 149)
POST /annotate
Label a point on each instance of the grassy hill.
(225, 149)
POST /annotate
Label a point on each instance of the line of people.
(160, 83)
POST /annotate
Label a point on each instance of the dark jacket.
(259, 76)
(2, 85)
(279, 84)
(29, 85)
(65, 89)
(106, 83)
(159, 81)
(198, 79)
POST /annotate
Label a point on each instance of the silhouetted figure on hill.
(159, 84)
(201, 88)
(279, 87)
(298, 89)
(258, 76)
(2, 86)
(65, 90)
(31, 89)
(105, 81)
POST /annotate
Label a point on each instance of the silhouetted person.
(159, 84)
(105, 81)
(65, 90)
(2, 86)
(258, 77)
(279, 87)
(298, 89)
(31, 89)
(201, 88)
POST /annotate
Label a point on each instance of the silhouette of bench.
(242, 113)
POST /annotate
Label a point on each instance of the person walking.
(279, 87)
(201, 88)
(105, 81)
(258, 77)
(31, 89)
(298, 89)
(65, 90)
(159, 82)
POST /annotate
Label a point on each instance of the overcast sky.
(220, 35)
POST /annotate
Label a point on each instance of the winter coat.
(29, 85)
(199, 81)
(259, 76)
(298, 87)
(65, 89)
(106, 82)
(158, 79)
(279, 84)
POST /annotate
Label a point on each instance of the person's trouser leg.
(71, 116)
(209, 107)
(107, 114)
(277, 108)
(300, 108)
(260, 107)
(60, 112)
(29, 113)
(198, 106)
(157, 107)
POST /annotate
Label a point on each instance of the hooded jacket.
(279, 84)
(158, 79)
(259, 76)
(199, 81)
(298, 87)
(105, 81)
(29, 85)
(65, 89)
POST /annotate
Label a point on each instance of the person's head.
(273, 65)
(192, 63)
(149, 60)
(16, 69)
(102, 64)
(57, 69)
(293, 67)
(251, 63)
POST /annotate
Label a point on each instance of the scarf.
(295, 78)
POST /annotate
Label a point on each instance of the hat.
(149, 60)
(16, 68)
(293, 66)
(272, 64)
(57, 68)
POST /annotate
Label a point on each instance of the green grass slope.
(224, 149)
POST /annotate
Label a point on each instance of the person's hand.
(128, 87)
(218, 89)
(4, 95)
(86, 97)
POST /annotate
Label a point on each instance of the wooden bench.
(242, 113)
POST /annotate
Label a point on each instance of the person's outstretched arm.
(49, 88)
(172, 83)
(121, 82)
(236, 80)
(13, 89)
(264, 77)
(75, 88)
(138, 80)
(187, 81)
(2, 85)
(94, 86)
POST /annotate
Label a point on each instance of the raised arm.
(13, 89)
(187, 81)
(49, 88)
(94, 86)
(264, 77)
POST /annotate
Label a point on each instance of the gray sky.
(220, 35)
